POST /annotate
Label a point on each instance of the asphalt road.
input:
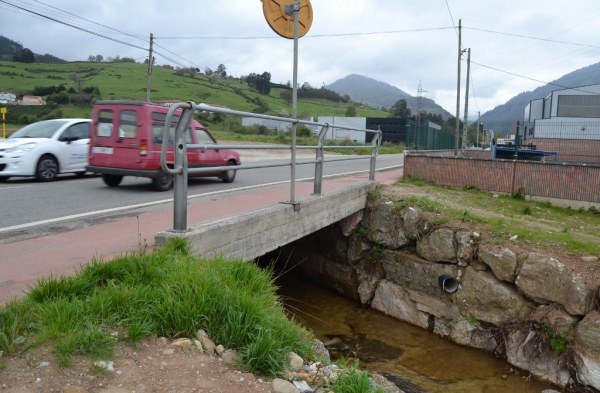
(30, 209)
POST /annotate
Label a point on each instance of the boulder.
(385, 227)
(357, 247)
(555, 316)
(351, 223)
(588, 367)
(545, 279)
(501, 260)
(414, 273)
(465, 247)
(413, 222)
(439, 245)
(467, 333)
(482, 296)
(587, 335)
(524, 350)
(392, 300)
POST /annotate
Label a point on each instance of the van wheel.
(229, 175)
(163, 182)
(46, 169)
(112, 180)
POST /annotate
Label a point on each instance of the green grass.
(127, 81)
(356, 381)
(163, 293)
(503, 216)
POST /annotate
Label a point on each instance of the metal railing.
(180, 168)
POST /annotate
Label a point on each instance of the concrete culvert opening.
(448, 283)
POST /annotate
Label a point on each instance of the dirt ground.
(153, 366)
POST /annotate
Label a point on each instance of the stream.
(413, 358)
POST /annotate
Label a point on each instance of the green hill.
(127, 81)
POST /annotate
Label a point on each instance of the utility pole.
(465, 125)
(457, 120)
(478, 125)
(149, 76)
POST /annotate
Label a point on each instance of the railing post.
(317, 188)
(180, 187)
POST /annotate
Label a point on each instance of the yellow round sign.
(280, 17)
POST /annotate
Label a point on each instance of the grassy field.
(501, 217)
(127, 81)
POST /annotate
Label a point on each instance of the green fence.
(424, 137)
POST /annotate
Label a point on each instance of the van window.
(105, 123)
(157, 134)
(203, 137)
(128, 124)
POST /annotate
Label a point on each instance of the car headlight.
(24, 148)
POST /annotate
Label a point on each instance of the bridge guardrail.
(180, 168)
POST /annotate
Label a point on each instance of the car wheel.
(46, 169)
(112, 180)
(229, 175)
(163, 182)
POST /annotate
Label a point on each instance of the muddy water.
(417, 360)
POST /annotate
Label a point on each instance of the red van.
(126, 140)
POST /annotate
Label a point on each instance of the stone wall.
(528, 308)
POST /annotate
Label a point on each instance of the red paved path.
(22, 263)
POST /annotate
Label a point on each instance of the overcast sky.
(515, 45)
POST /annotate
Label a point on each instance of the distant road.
(30, 209)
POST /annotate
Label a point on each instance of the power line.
(74, 26)
(533, 38)
(305, 37)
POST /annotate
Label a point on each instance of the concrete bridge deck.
(24, 262)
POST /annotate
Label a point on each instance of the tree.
(400, 109)
(24, 55)
(351, 111)
(221, 71)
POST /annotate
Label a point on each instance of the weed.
(377, 252)
(356, 381)
(375, 193)
(362, 231)
(519, 194)
(472, 320)
(557, 342)
(526, 210)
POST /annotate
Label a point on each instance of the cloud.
(397, 42)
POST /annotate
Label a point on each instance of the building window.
(578, 106)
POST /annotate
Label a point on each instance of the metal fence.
(180, 168)
(425, 137)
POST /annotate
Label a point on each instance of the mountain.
(380, 94)
(512, 110)
(8, 48)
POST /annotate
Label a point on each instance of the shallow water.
(416, 359)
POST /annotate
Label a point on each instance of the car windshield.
(41, 129)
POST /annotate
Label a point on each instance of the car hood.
(12, 142)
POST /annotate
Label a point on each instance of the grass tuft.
(163, 293)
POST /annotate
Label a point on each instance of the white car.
(45, 149)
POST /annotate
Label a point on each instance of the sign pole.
(3, 111)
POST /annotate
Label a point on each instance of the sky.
(515, 45)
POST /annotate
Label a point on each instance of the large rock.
(587, 350)
(587, 335)
(484, 297)
(392, 300)
(417, 274)
(525, 349)
(351, 223)
(414, 224)
(555, 316)
(369, 274)
(467, 333)
(545, 279)
(439, 245)
(501, 260)
(465, 247)
(357, 247)
(385, 227)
